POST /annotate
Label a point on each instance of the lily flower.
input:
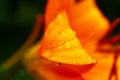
(73, 47)
(61, 53)
(68, 36)
(59, 39)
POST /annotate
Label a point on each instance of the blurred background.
(17, 18)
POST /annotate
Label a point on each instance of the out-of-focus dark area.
(17, 18)
(110, 9)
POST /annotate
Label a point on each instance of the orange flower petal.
(85, 19)
(88, 21)
(102, 69)
(118, 67)
(54, 7)
(66, 70)
(50, 70)
(60, 44)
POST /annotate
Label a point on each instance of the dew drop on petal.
(74, 61)
(63, 33)
(68, 44)
(67, 53)
(59, 16)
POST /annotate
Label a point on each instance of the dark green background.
(17, 18)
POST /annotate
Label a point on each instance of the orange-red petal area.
(85, 19)
(102, 69)
(49, 70)
(66, 70)
(88, 22)
(60, 43)
(53, 7)
(118, 67)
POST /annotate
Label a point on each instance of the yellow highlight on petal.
(68, 44)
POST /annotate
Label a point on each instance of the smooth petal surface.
(118, 67)
(54, 7)
(102, 69)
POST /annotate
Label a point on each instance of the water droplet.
(59, 16)
(68, 44)
(67, 53)
(74, 61)
(89, 58)
(63, 33)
